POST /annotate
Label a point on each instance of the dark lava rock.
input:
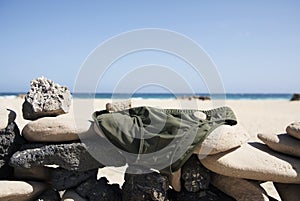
(194, 175)
(72, 156)
(99, 190)
(62, 179)
(10, 142)
(295, 97)
(212, 194)
(145, 187)
(49, 195)
(46, 98)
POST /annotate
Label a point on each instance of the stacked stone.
(48, 159)
(228, 162)
(287, 144)
(240, 171)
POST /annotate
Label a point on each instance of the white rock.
(282, 143)
(20, 190)
(221, 139)
(255, 161)
(56, 129)
(294, 130)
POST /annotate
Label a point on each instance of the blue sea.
(229, 96)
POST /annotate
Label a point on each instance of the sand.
(256, 116)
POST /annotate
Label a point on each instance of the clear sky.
(254, 44)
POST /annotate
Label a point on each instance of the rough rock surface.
(282, 143)
(71, 195)
(45, 98)
(255, 161)
(212, 194)
(10, 142)
(49, 195)
(20, 190)
(288, 192)
(55, 129)
(72, 156)
(294, 130)
(62, 179)
(142, 187)
(222, 139)
(194, 175)
(95, 190)
(240, 189)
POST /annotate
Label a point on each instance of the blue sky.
(254, 44)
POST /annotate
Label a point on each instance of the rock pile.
(51, 138)
(278, 160)
(49, 162)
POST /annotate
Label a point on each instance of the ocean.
(229, 96)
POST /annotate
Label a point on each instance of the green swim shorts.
(161, 139)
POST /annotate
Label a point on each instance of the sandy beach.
(256, 116)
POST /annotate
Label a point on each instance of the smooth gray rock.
(45, 98)
(72, 156)
(10, 142)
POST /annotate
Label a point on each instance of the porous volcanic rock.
(46, 98)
